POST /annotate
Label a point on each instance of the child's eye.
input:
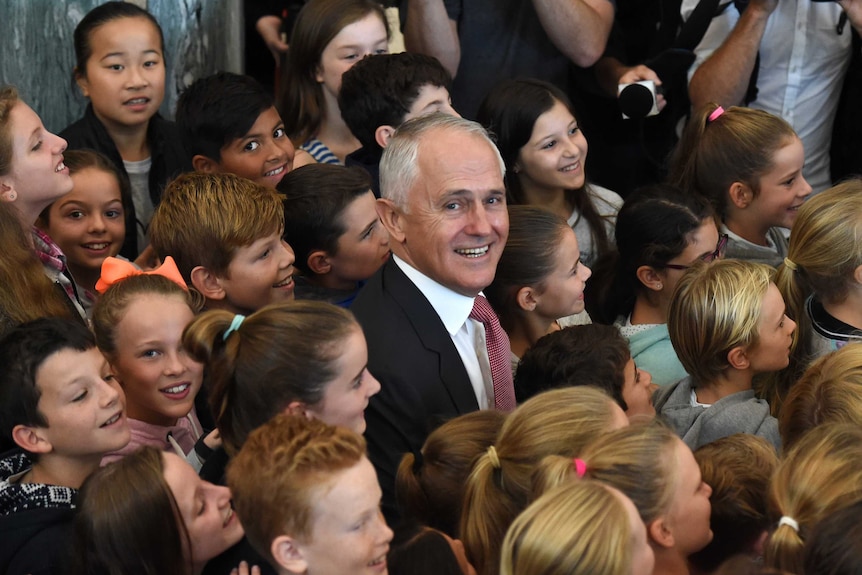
(251, 146)
(279, 133)
(80, 396)
(790, 181)
(113, 214)
(203, 508)
(265, 254)
(573, 131)
(351, 56)
(549, 145)
(36, 147)
(150, 63)
(150, 353)
(115, 67)
(75, 215)
(382, 51)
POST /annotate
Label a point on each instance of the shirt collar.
(452, 307)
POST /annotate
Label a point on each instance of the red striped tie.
(499, 352)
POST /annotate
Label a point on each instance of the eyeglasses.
(706, 258)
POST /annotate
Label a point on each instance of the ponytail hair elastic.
(580, 467)
(790, 522)
(492, 457)
(715, 114)
(234, 326)
(790, 264)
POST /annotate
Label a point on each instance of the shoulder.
(320, 152)
(606, 202)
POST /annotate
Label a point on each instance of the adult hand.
(639, 73)
(853, 8)
(269, 28)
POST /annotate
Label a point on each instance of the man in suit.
(444, 206)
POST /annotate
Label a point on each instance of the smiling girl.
(32, 176)
(120, 67)
(748, 163)
(539, 279)
(88, 223)
(139, 322)
(545, 154)
(150, 513)
(329, 37)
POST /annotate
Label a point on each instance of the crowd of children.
(184, 388)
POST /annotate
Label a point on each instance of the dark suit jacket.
(422, 378)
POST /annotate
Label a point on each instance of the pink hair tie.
(580, 467)
(715, 114)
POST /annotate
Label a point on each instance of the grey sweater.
(698, 425)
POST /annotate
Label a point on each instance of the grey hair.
(399, 166)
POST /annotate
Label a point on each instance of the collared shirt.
(54, 264)
(803, 61)
(467, 334)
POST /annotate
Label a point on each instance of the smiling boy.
(229, 124)
(60, 405)
(224, 232)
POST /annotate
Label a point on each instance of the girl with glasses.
(748, 163)
(660, 232)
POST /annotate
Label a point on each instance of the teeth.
(473, 252)
(275, 172)
(284, 282)
(137, 101)
(96, 246)
(112, 420)
(177, 388)
(570, 168)
(229, 515)
(60, 167)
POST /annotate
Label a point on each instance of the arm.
(269, 28)
(854, 13)
(724, 76)
(429, 30)
(588, 21)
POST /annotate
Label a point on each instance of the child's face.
(205, 509)
(562, 292)
(259, 274)
(346, 517)
(88, 223)
(83, 404)
(637, 390)
(264, 155)
(783, 189)
(688, 516)
(158, 376)
(431, 99)
(354, 42)
(125, 75)
(701, 242)
(363, 247)
(38, 175)
(554, 158)
(346, 396)
(775, 335)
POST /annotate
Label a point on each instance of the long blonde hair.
(557, 422)
(819, 475)
(579, 528)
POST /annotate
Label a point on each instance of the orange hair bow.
(115, 269)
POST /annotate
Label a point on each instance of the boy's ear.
(31, 439)
(207, 283)
(205, 164)
(318, 262)
(650, 278)
(659, 532)
(390, 217)
(288, 555)
(737, 357)
(740, 195)
(295, 408)
(526, 298)
(383, 134)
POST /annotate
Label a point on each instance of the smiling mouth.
(473, 252)
(275, 172)
(378, 562)
(113, 420)
(571, 167)
(60, 167)
(284, 283)
(136, 101)
(97, 246)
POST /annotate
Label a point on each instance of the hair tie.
(715, 114)
(492, 457)
(115, 269)
(418, 461)
(790, 264)
(580, 467)
(790, 522)
(234, 325)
